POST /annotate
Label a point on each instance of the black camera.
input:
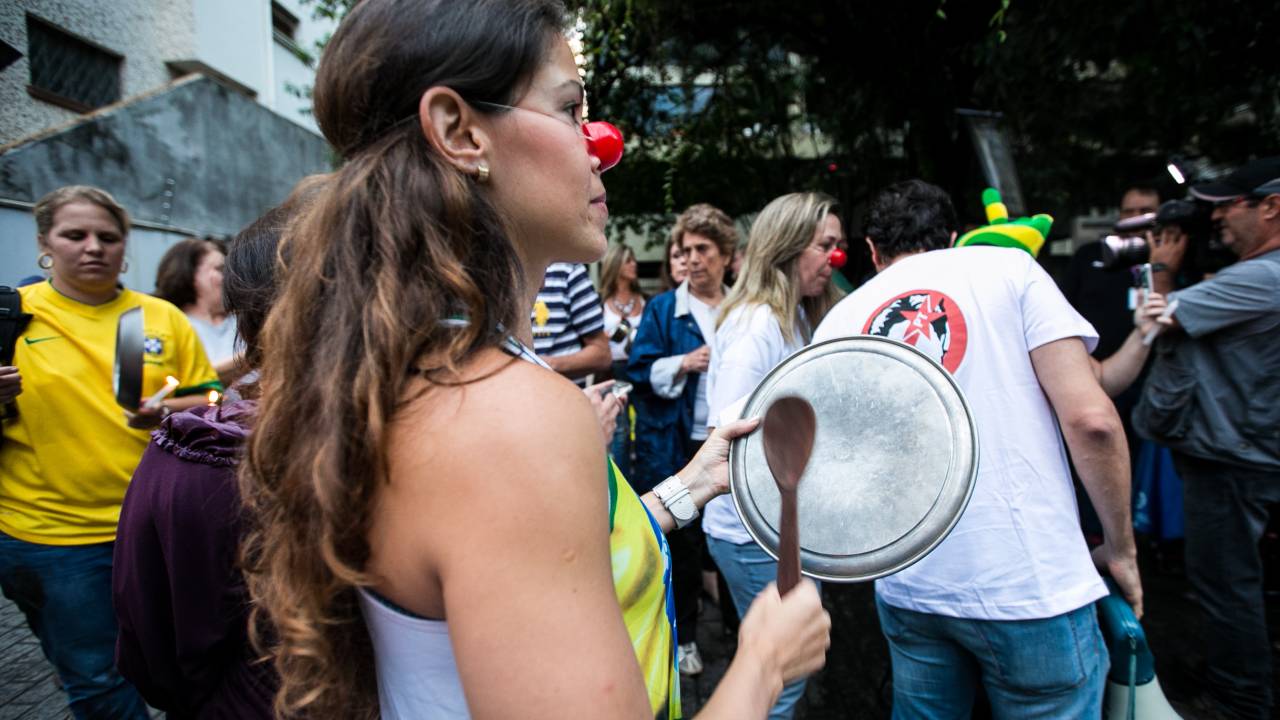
(1127, 245)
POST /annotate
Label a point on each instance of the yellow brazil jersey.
(66, 460)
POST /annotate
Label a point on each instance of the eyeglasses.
(604, 141)
(557, 118)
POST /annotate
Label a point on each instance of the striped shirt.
(568, 309)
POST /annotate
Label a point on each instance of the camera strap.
(12, 323)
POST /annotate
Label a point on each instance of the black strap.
(12, 323)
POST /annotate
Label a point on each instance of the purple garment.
(179, 594)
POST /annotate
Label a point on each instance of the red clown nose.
(604, 141)
(837, 258)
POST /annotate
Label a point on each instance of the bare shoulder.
(500, 402)
(507, 425)
(478, 471)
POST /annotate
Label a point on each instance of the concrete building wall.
(234, 38)
(159, 40)
(198, 155)
(289, 69)
(145, 32)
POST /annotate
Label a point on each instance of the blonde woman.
(783, 291)
(623, 308)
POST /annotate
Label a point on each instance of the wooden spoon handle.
(788, 544)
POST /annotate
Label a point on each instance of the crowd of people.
(448, 476)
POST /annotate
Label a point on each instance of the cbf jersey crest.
(927, 320)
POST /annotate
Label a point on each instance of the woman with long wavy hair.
(425, 498)
(782, 293)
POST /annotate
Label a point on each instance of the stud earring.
(45, 261)
(124, 265)
(482, 173)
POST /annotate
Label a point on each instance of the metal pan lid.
(126, 376)
(894, 461)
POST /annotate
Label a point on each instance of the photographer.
(1213, 397)
(1099, 292)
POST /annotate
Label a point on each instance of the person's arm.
(586, 317)
(707, 474)
(1238, 294)
(594, 357)
(1096, 440)
(1117, 372)
(145, 418)
(523, 573)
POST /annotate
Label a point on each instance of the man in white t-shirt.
(994, 319)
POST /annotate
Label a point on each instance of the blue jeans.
(747, 569)
(1050, 668)
(65, 593)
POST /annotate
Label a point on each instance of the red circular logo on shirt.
(927, 320)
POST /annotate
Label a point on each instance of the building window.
(284, 27)
(68, 71)
(283, 22)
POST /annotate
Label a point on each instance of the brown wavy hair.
(710, 222)
(396, 242)
(176, 276)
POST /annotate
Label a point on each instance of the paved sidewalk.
(27, 686)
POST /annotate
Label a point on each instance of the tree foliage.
(1094, 94)
(735, 102)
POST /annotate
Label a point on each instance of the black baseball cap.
(1256, 177)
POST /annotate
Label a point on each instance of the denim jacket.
(664, 402)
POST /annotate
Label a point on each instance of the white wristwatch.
(676, 499)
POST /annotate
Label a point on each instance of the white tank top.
(417, 675)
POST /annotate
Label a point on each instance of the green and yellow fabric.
(642, 578)
(1027, 233)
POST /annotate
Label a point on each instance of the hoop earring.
(482, 173)
(124, 265)
(45, 261)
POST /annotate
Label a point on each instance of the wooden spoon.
(789, 428)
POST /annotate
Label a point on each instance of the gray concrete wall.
(145, 32)
(197, 155)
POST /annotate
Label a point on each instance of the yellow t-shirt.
(66, 460)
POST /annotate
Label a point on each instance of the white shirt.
(219, 341)
(705, 316)
(748, 344)
(1017, 552)
(618, 349)
(413, 659)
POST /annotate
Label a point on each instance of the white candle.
(213, 398)
(153, 402)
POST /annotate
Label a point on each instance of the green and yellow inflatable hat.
(1024, 233)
